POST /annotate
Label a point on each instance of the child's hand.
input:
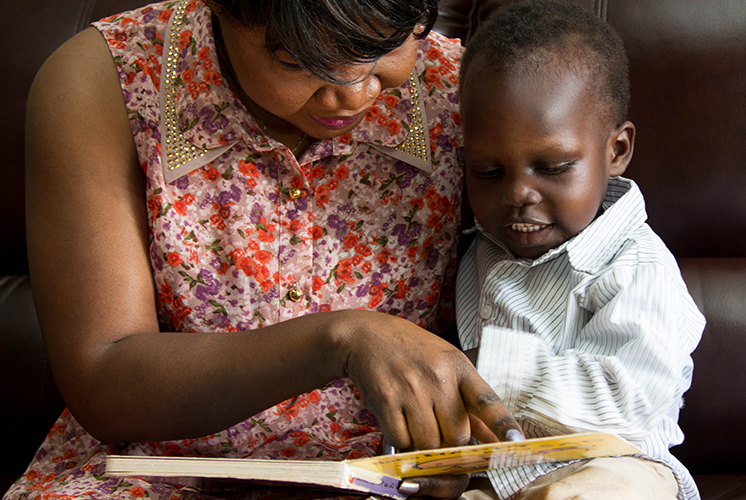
(421, 388)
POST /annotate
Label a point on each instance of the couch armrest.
(712, 417)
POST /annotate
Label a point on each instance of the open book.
(380, 475)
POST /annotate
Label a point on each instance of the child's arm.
(624, 371)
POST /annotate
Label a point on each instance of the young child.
(578, 310)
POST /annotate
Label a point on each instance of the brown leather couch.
(688, 60)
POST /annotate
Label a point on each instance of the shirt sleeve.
(625, 370)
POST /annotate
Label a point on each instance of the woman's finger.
(447, 486)
(482, 402)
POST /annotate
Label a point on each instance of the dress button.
(295, 295)
(486, 311)
(294, 193)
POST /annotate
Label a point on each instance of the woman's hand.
(420, 387)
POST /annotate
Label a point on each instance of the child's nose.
(519, 191)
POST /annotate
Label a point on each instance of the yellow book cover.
(380, 475)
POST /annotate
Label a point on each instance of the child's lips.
(524, 227)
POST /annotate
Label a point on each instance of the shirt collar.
(202, 118)
(592, 248)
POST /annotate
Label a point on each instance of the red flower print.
(294, 225)
(203, 53)
(213, 78)
(394, 127)
(248, 169)
(173, 259)
(350, 241)
(185, 38)
(418, 203)
(322, 196)
(383, 256)
(342, 172)
(291, 412)
(317, 232)
(301, 440)
(33, 475)
(325, 308)
(317, 172)
(367, 267)
(317, 283)
(344, 271)
(363, 250)
(165, 16)
(432, 76)
(375, 301)
(433, 53)
(335, 427)
(137, 491)
(456, 117)
(391, 100)
(192, 87)
(189, 198)
(402, 288)
(263, 256)
(412, 251)
(288, 452)
(372, 113)
(354, 454)
(345, 138)
(266, 236)
(314, 396)
(436, 131)
(382, 121)
(211, 174)
(188, 75)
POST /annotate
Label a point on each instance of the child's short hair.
(514, 33)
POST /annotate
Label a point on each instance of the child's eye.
(555, 169)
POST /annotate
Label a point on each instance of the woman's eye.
(487, 173)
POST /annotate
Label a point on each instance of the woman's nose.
(350, 97)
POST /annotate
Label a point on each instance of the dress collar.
(201, 118)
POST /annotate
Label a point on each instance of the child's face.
(539, 152)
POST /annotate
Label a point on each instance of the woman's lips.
(336, 122)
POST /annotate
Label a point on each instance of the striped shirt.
(595, 335)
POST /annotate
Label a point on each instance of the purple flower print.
(209, 289)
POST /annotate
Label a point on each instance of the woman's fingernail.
(409, 488)
(514, 435)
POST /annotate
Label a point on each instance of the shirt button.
(294, 193)
(295, 294)
(486, 311)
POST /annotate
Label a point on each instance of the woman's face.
(301, 100)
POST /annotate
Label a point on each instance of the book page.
(465, 459)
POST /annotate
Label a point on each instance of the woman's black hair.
(519, 30)
(322, 35)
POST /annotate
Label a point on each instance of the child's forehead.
(539, 80)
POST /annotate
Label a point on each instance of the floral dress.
(243, 235)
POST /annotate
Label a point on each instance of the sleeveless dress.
(243, 235)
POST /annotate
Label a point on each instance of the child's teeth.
(527, 228)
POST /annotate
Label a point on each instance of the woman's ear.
(622, 146)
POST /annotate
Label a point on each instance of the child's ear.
(621, 148)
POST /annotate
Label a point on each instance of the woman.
(204, 177)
